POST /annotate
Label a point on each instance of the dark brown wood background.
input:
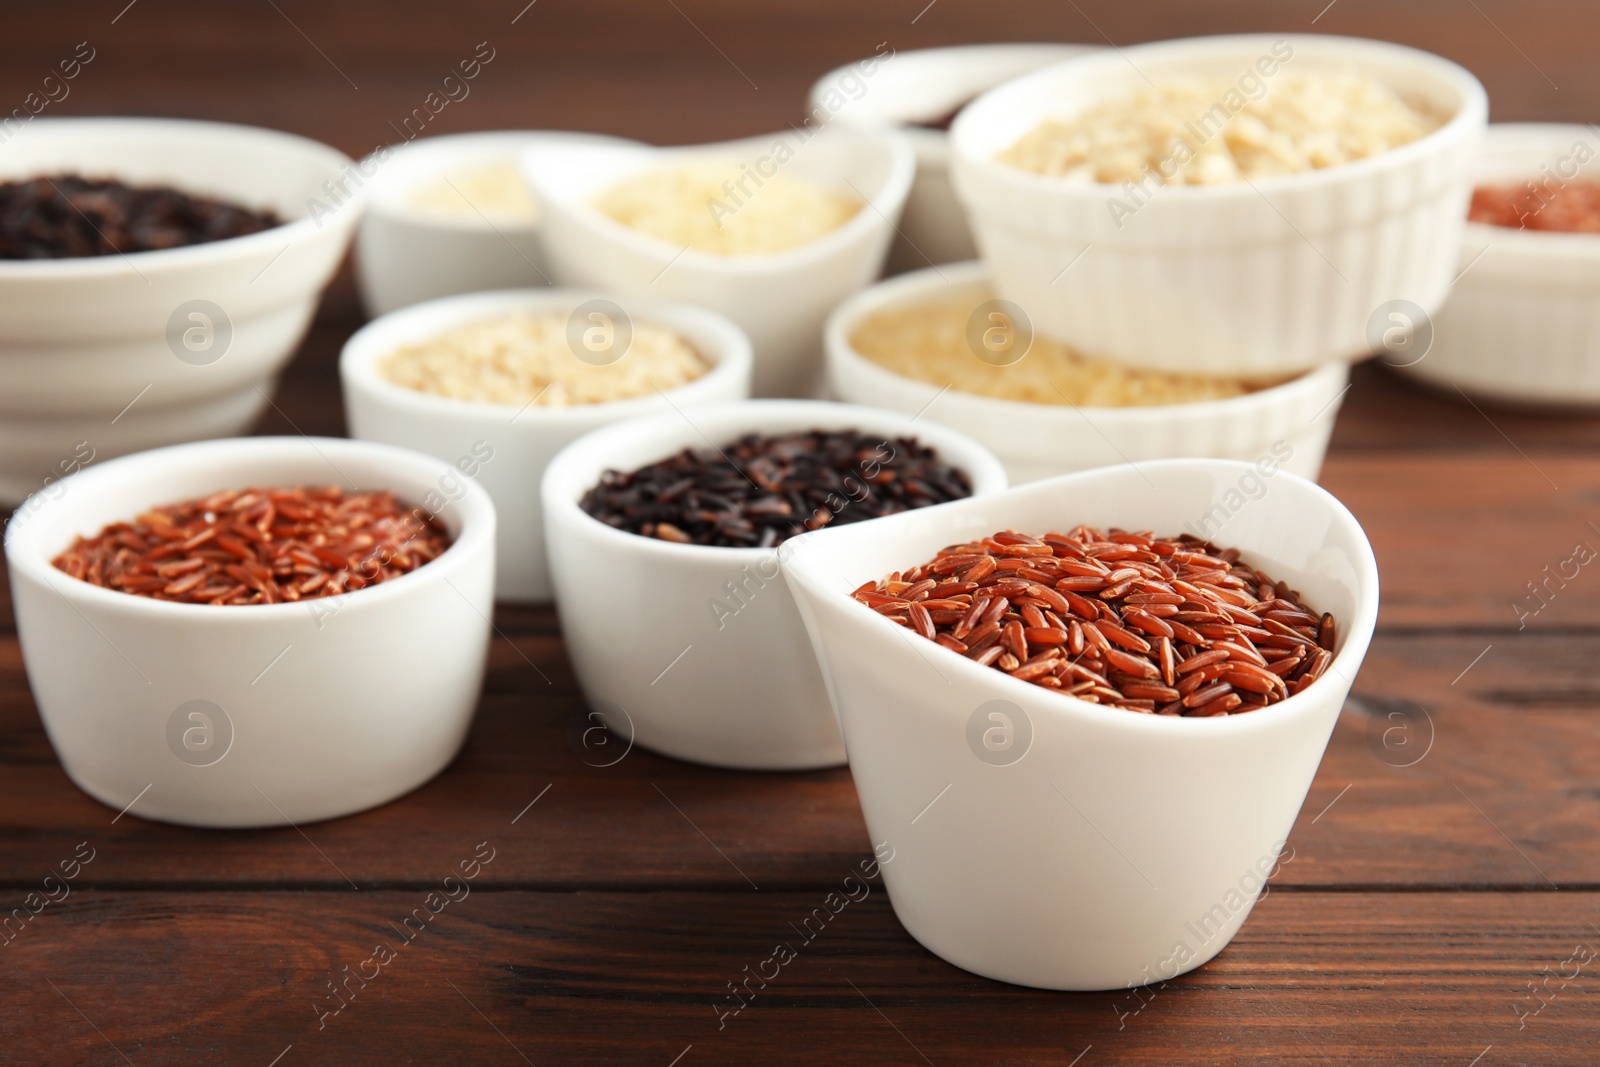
(1423, 903)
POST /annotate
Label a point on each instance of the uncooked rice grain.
(926, 340)
(527, 359)
(1168, 626)
(259, 546)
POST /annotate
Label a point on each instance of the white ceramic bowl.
(735, 687)
(780, 299)
(1289, 424)
(1261, 277)
(1068, 845)
(405, 255)
(905, 89)
(90, 347)
(1522, 324)
(505, 447)
(311, 710)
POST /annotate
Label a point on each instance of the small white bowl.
(405, 255)
(735, 687)
(505, 447)
(306, 711)
(1522, 324)
(905, 89)
(1045, 841)
(780, 299)
(1288, 424)
(110, 354)
(1268, 276)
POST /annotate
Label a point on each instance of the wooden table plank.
(207, 978)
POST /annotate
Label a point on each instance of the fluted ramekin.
(1268, 276)
(1286, 425)
(1522, 324)
(1046, 841)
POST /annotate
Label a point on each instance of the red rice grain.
(1166, 626)
(259, 546)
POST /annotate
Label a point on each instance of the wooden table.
(1440, 889)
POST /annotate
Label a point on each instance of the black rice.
(760, 491)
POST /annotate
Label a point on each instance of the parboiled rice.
(523, 358)
(927, 340)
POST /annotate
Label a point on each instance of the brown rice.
(928, 340)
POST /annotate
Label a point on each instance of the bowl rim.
(33, 560)
(938, 60)
(291, 231)
(981, 466)
(905, 288)
(877, 211)
(1355, 634)
(1471, 113)
(361, 351)
(408, 163)
(1507, 139)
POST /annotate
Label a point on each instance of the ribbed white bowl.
(1287, 425)
(1523, 322)
(1276, 275)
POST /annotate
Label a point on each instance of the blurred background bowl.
(407, 252)
(1522, 323)
(780, 299)
(505, 447)
(1267, 276)
(1288, 424)
(111, 354)
(920, 91)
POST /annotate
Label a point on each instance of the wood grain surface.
(1443, 901)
